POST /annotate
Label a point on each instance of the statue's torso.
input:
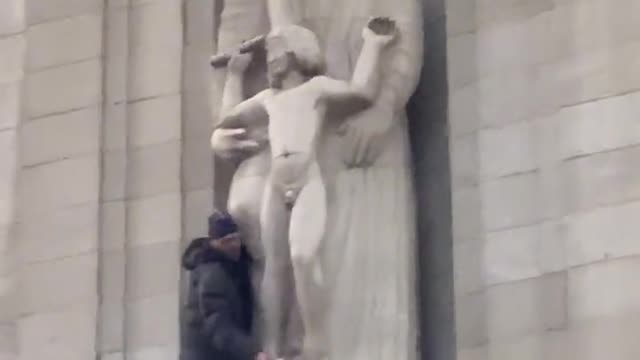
(294, 120)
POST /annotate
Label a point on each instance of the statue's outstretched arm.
(365, 83)
(401, 70)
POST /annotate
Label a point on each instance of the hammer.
(222, 59)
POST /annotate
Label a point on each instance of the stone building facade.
(526, 141)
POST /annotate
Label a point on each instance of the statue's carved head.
(293, 47)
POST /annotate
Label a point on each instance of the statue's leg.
(307, 229)
(245, 202)
(277, 284)
(294, 335)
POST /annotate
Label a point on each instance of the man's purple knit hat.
(221, 224)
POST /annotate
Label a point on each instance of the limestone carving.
(361, 162)
(293, 216)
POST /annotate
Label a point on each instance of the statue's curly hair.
(304, 45)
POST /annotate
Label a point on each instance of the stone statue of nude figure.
(293, 111)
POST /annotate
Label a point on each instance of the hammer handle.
(221, 60)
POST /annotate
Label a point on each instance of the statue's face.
(278, 66)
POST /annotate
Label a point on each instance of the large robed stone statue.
(368, 237)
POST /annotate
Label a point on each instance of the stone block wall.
(545, 142)
(12, 72)
(57, 198)
(91, 178)
(531, 169)
(141, 218)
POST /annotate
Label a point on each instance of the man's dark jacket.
(217, 316)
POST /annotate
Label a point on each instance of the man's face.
(230, 245)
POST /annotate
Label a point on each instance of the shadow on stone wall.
(429, 126)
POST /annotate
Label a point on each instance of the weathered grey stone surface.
(7, 172)
(57, 185)
(154, 170)
(105, 170)
(74, 228)
(151, 325)
(61, 136)
(153, 121)
(12, 19)
(82, 40)
(45, 286)
(44, 88)
(154, 219)
(544, 139)
(9, 105)
(12, 53)
(41, 11)
(75, 342)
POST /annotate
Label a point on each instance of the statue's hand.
(366, 135)
(232, 143)
(239, 63)
(382, 30)
(254, 44)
